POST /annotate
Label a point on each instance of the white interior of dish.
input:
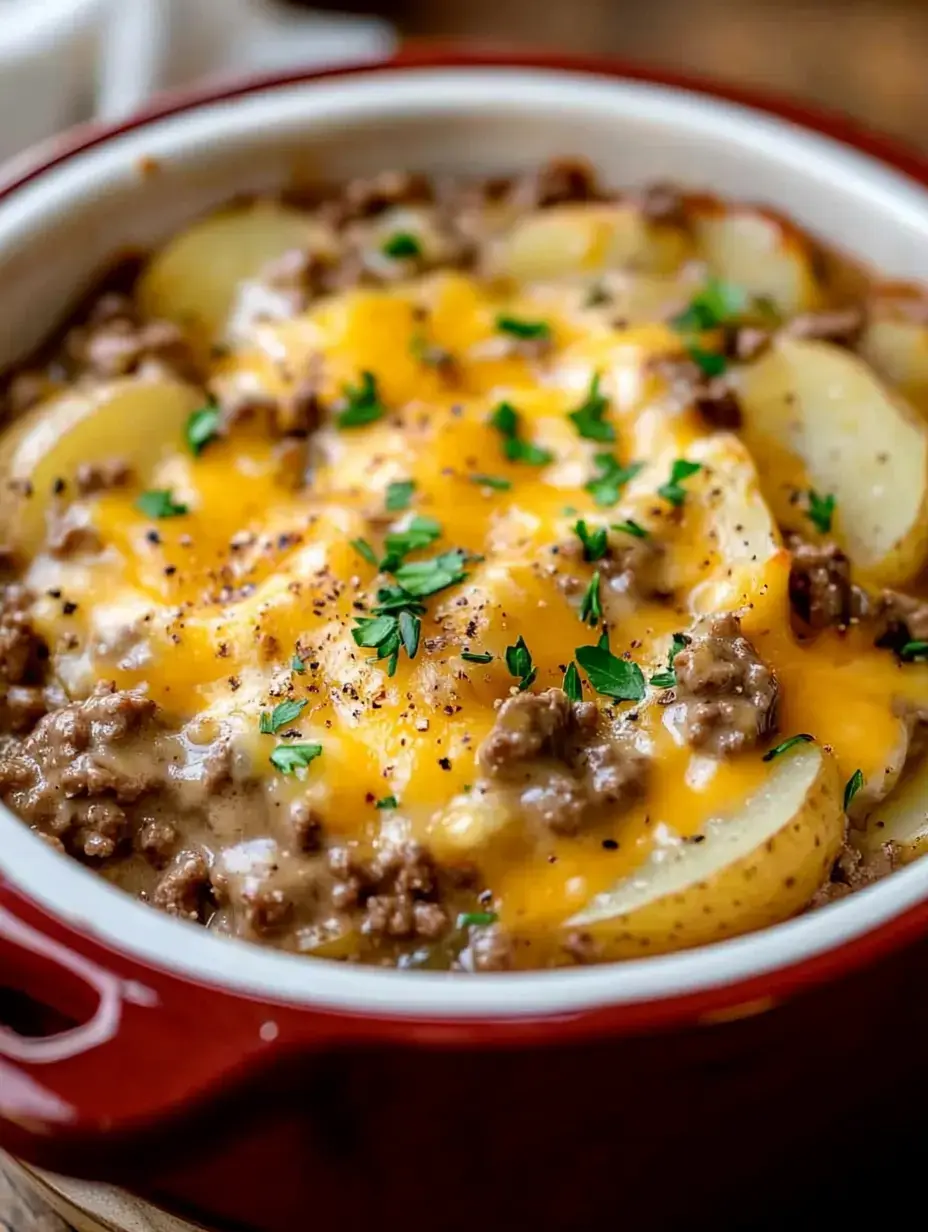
(57, 230)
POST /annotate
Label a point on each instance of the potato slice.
(588, 239)
(136, 421)
(195, 279)
(751, 870)
(816, 416)
(901, 819)
(895, 343)
(765, 256)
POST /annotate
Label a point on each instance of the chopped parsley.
(718, 303)
(280, 716)
(518, 327)
(426, 577)
(395, 599)
(786, 745)
(384, 634)
(401, 244)
(613, 677)
(667, 679)
(202, 427)
(710, 363)
(603, 642)
(591, 611)
(505, 419)
(160, 503)
(420, 533)
(492, 481)
(410, 627)
(362, 403)
(399, 494)
(363, 548)
(388, 802)
(473, 657)
(297, 665)
(595, 542)
(606, 488)
(519, 663)
(572, 685)
(631, 527)
(476, 919)
(913, 650)
(820, 511)
(588, 417)
(671, 491)
(852, 787)
(289, 758)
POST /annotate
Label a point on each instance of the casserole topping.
(501, 575)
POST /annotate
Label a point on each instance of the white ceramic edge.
(79, 897)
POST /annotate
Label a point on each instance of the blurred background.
(66, 60)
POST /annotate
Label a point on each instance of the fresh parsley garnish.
(363, 548)
(852, 787)
(202, 427)
(289, 758)
(473, 657)
(591, 611)
(280, 716)
(603, 642)
(913, 650)
(160, 503)
(410, 627)
(388, 802)
(420, 578)
(519, 663)
(718, 303)
(572, 685)
(606, 488)
(297, 665)
(399, 494)
(611, 676)
(362, 403)
(667, 679)
(492, 481)
(392, 599)
(401, 244)
(588, 417)
(420, 533)
(595, 542)
(786, 745)
(631, 527)
(476, 919)
(671, 491)
(505, 419)
(518, 327)
(384, 635)
(710, 363)
(820, 511)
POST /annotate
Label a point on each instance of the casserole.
(204, 1018)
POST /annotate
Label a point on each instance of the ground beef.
(23, 663)
(396, 894)
(842, 326)
(114, 341)
(566, 769)
(71, 533)
(185, 888)
(561, 181)
(820, 587)
(70, 777)
(852, 871)
(728, 694)
(713, 397)
(372, 195)
(103, 476)
(900, 618)
(663, 202)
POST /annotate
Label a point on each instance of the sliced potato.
(895, 343)
(135, 421)
(572, 240)
(196, 278)
(816, 416)
(763, 255)
(749, 871)
(901, 819)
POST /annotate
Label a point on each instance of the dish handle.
(96, 1048)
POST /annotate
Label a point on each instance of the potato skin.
(771, 883)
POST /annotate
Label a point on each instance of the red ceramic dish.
(219, 1064)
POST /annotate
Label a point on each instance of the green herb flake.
(363, 548)
(607, 487)
(718, 303)
(410, 627)
(518, 327)
(603, 642)
(496, 482)
(160, 503)
(588, 417)
(591, 611)
(297, 665)
(400, 245)
(611, 676)
(420, 533)
(477, 919)
(399, 494)
(290, 758)
(667, 679)
(519, 663)
(421, 578)
(505, 419)
(202, 427)
(471, 656)
(710, 363)
(280, 716)
(671, 491)
(786, 745)
(852, 787)
(388, 802)
(820, 511)
(573, 686)
(362, 403)
(595, 542)
(631, 527)
(913, 651)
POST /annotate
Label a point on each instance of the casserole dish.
(210, 1061)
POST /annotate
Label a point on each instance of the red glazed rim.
(747, 995)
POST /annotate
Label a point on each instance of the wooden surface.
(22, 1210)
